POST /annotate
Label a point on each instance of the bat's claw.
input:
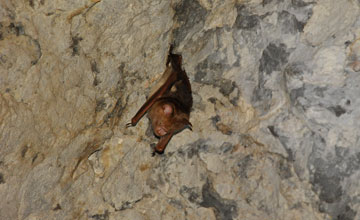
(155, 150)
(129, 125)
(189, 126)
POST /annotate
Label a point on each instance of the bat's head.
(165, 119)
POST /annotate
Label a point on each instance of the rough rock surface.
(276, 110)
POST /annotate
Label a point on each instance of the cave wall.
(276, 129)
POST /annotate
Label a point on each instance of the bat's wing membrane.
(158, 94)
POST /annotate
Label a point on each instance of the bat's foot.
(129, 125)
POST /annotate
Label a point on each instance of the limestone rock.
(275, 115)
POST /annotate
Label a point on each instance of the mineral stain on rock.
(290, 24)
(226, 147)
(243, 165)
(196, 147)
(184, 15)
(296, 93)
(227, 87)
(329, 186)
(223, 128)
(31, 3)
(224, 209)
(347, 214)
(2, 180)
(209, 72)
(246, 20)
(300, 3)
(284, 169)
(17, 29)
(191, 193)
(273, 57)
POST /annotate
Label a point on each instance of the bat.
(169, 105)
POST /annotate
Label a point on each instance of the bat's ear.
(168, 109)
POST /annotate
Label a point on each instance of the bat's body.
(169, 106)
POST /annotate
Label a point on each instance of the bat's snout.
(160, 131)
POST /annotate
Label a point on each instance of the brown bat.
(169, 106)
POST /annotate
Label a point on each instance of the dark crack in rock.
(24, 150)
(57, 207)
(337, 110)
(94, 67)
(273, 132)
(38, 50)
(176, 203)
(100, 105)
(284, 140)
(127, 205)
(75, 45)
(104, 216)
